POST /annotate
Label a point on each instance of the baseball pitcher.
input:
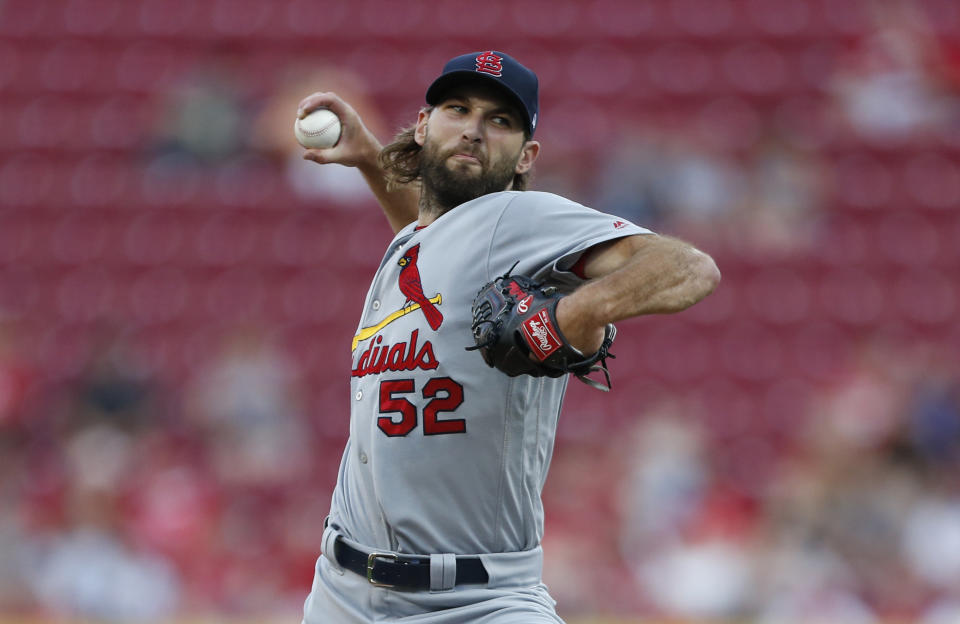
(487, 300)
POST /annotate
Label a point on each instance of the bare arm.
(359, 148)
(633, 276)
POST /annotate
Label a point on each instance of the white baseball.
(319, 129)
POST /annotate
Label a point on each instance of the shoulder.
(543, 200)
(538, 208)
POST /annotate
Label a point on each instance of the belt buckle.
(371, 561)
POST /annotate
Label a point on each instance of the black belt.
(403, 571)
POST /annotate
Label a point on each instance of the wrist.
(369, 154)
(575, 322)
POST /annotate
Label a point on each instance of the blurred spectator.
(88, 568)
(204, 117)
(686, 540)
(273, 132)
(668, 174)
(15, 596)
(18, 376)
(894, 83)
(115, 386)
(247, 403)
(783, 199)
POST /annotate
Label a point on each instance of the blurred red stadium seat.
(703, 18)
(544, 18)
(844, 18)
(729, 123)
(75, 66)
(493, 19)
(92, 17)
(10, 64)
(250, 181)
(155, 238)
(842, 242)
(102, 180)
(80, 238)
(29, 180)
(852, 296)
(236, 295)
(864, 181)
(45, 123)
(779, 296)
(30, 19)
(906, 239)
(121, 122)
(820, 351)
(225, 239)
(750, 351)
(318, 19)
(779, 18)
(598, 70)
(315, 295)
(303, 239)
(379, 76)
(19, 234)
(173, 18)
(63, 350)
(756, 68)
(730, 410)
(626, 18)
(926, 296)
(785, 407)
(172, 181)
(241, 18)
(933, 180)
(150, 67)
(88, 294)
(676, 353)
(22, 292)
(681, 68)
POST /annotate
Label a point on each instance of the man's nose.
(473, 128)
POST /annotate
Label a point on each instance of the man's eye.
(458, 108)
(502, 121)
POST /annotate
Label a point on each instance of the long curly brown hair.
(400, 161)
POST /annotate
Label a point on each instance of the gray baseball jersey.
(445, 454)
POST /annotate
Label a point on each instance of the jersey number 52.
(442, 394)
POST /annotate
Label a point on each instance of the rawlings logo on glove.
(515, 329)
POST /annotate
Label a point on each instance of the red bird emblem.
(411, 287)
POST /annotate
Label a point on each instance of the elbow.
(709, 274)
(704, 277)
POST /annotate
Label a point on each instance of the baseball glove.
(515, 329)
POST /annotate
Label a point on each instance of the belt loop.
(443, 572)
(327, 547)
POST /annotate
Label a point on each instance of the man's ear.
(420, 132)
(531, 149)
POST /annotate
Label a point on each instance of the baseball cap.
(496, 68)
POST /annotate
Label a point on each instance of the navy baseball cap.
(496, 68)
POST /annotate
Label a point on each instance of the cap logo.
(490, 63)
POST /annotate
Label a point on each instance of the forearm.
(662, 276)
(400, 203)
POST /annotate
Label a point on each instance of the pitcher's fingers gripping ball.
(515, 329)
(319, 129)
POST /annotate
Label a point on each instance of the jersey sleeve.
(546, 234)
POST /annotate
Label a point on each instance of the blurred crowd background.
(178, 290)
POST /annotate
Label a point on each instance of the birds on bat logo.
(412, 288)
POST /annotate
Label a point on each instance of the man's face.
(473, 144)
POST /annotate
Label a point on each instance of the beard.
(452, 186)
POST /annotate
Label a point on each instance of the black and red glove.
(515, 329)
